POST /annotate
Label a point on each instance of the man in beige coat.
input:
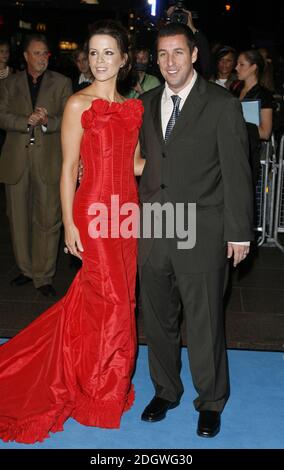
(31, 107)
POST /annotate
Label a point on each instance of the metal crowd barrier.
(279, 200)
(269, 195)
(261, 194)
(265, 192)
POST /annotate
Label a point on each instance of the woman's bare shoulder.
(80, 101)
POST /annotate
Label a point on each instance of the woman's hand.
(139, 162)
(80, 171)
(73, 241)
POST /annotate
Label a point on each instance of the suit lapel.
(156, 114)
(44, 87)
(193, 106)
(25, 91)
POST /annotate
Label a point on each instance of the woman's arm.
(265, 127)
(71, 135)
(139, 162)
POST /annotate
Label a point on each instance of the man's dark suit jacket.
(15, 108)
(205, 161)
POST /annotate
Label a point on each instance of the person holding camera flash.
(144, 81)
(204, 64)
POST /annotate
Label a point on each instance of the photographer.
(143, 80)
(204, 64)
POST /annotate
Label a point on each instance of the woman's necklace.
(4, 73)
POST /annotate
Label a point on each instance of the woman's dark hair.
(223, 51)
(173, 29)
(254, 57)
(4, 42)
(119, 33)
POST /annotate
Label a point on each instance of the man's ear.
(26, 56)
(194, 55)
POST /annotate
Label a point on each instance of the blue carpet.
(252, 419)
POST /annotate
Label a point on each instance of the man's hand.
(190, 23)
(238, 252)
(34, 119)
(43, 115)
(38, 117)
(170, 10)
(138, 88)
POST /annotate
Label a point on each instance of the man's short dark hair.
(173, 29)
(34, 37)
(142, 49)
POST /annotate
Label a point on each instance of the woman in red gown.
(77, 358)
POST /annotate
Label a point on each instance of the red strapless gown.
(76, 359)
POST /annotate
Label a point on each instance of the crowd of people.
(183, 134)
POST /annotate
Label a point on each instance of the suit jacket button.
(163, 186)
(164, 155)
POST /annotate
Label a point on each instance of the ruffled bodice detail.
(107, 151)
(128, 114)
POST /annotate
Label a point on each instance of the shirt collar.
(38, 80)
(184, 92)
(84, 79)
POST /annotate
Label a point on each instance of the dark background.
(248, 23)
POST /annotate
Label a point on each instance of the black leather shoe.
(47, 290)
(209, 423)
(20, 280)
(157, 409)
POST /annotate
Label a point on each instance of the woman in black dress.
(250, 66)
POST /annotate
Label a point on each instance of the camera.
(178, 15)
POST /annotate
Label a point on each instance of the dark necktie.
(176, 100)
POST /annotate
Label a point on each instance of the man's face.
(82, 62)
(4, 54)
(142, 57)
(176, 61)
(36, 57)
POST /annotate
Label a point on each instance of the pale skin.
(176, 65)
(105, 60)
(249, 74)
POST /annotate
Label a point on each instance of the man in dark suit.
(31, 108)
(195, 144)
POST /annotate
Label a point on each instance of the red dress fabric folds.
(77, 358)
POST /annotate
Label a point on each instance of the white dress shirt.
(84, 79)
(167, 107)
(221, 82)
